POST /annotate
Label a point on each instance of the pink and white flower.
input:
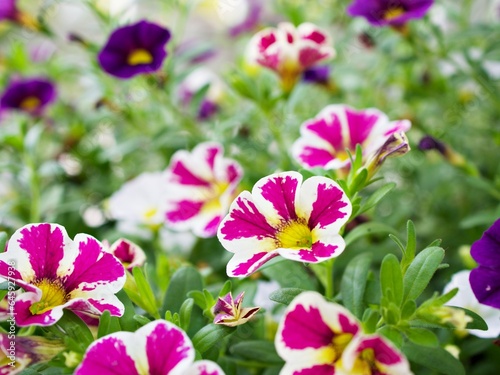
(324, 139)
(289, 50)
(58, 273)
(230, 312)
(201, 185)
(159, 347)
(320, 337)
(283, 216)
(128, 253)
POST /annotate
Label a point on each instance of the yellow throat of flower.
(53, 294)
(393, 13)
(30, 103)
(295, 235)
(139, 56)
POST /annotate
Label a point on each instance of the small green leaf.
(285, 295)
(422, 336)
(226, 288)
(434, 358)
(408, 309)
(184, 280)
(260, 351)
(145, 292)
(108, 324)
(210, 336)
(185, 313)
(477, 321)
(411, 246)
(352, 287)
(392, 334)
(359, 181)
(291, 274)
(76, 329)
(420, 272)
(142, 320)
(377, 196)
(370, 319)
(198, 297)
(3, 241)
(391, 279)
(367, 229)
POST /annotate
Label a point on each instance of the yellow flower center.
(150, 213)
(294, 235)
(53, 294)
(139, 56)
(365, 363)
(30, 103)
(213, 203)
(393, 13)
(333, 353)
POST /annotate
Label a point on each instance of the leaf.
(422, 336)
(434, 358)
(285, 295)
(108, 324)
(408, 309)
(290, 274)
(261, 351)
(352, 287)
(420, 272)
(477, 321)
(184, 280)
(145, 292)
(377, 196)
(3, 241)
(76, 329)
(210, 336)
(392, 334)
(366, 229)
(185, 313)
(411, 246)
(391, 279)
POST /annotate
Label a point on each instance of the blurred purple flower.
(317, 74)
(134, 49)
(250, 21)
(8, 10)
(31, 95)
(389, 12)
(485, 279)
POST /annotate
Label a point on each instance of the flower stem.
(329, 287)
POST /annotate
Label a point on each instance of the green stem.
(329, 287)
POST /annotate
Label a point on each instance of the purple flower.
(317, 74)
(159, 347)
(389, 12)
(8, 10)
(485, 279)
(134, 49)
(58, 273)
(229, 311)
(31, 95)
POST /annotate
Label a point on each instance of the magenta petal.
(361, 124)
(316, 370)
(107, 356)
(245, 268)
(327, 207)
(280, 191)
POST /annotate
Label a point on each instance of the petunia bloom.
(283, 216)
(159, 347)
(485, 279)
(389, 12)
(320, 337)
(30, 95)
(58, 273)
(229, 311)
(201, 185)
(289, 51)
(8, 10)
(134, 49)
(324, 139)
(128, 253)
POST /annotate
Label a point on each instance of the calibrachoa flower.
(139, 205)
(317, 74)
(324, 139)
(58, 273)
(465, 298)
(289, 51)
(230, 312)
(31, 95)
(389, 12)
(128, 253)
(201, 185)
(159, 347)
(8, 10)
(319, 337)
(134, 49)
(283, 216)
(485, 279)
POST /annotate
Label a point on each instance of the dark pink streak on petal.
(107, 356)
(326, 208)
(233, 172)
(305, 329)
(182, 175)
(266, 41)
(280, 191)
(212, 226)
(253, 263)
(245, 221)
(101, 306)
(328, 129)
(124, 252)
(360, 126)
(315, 36)
(319, 251)
(348, 325)
(45, 249)
(211, 154)
(6, 268)
(185, 210)
(315, 157)
(25, 318)
(166, 347)
(309, 56)
(383, 352)
(316, 370)
(90, 267)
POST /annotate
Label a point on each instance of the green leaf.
(377, 196)
(422, 336)
(367, 229)
(285, 295)
(291, 274)
(184, 280)
(3, 241)
(142, 320)
(226, 288)
(391, 279)
(108, 324)
(408, 309)
(392, 334)
(260, 351)
(185, 313)
(210, 336)
(434, 358)
(411, 246)
(477, 321)
(352, 287)
(75, 329)
(145, 292)
(370, 319)
(358, 182)
(198, 297)
(420, 272)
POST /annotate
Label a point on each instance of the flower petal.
(244, 263)
(204, 367)
(486, 250)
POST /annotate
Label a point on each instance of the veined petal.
(24, 317)
(204, 367)
(307, 368)
(244, 263)
(320, 251)
(485, 285)
(314, 331)
(313, 152)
